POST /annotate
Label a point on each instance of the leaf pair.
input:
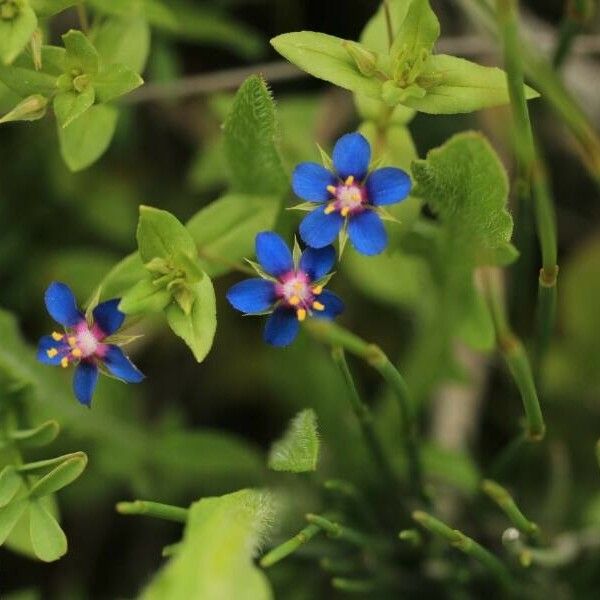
(406, 72)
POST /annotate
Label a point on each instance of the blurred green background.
(190, 431)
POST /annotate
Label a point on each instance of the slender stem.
(342, 532)
(467, 545)
(388, 22)
(507, 504)
(531, 169)
(336, 336)
(365, 420)
(577, 14)
(350, 491)
(289, 546)
(507, 456)
(354, 586)
(153, 509)
(515, 356)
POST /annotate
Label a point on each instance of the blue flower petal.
(61, 304)
(252, 295)
(273, 254)
(120, 366)
(367, 233)
(333, 305)
(310, 181)
(84, 382)
(351, 156)
(282, 327)
(387, 186)
(317, 262)
(318, 229)
(108, 316)
(45, 344)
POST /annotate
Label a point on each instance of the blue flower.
(350, 197)
(288, 290)
(85, 344)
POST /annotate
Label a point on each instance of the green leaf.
(419, 31)
(70, 105)
(10, 482)
(456, 85)
(81, 54)
(197, 329)
(249, 140)
(214, 560)
(123, 276)
(9, 516)
(86, 139)
(42, 435)
(47, 538)
(27, 81)
(144, 297)
(48, 8)
(16, 31)
(115, 80)
(60, 477)
(31, 108)
(375, 34)
(324, 56)
(125, 41)
(466, 185)
(161, 235)
(224, 231)
(298, 450)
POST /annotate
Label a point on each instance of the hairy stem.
(290, 546)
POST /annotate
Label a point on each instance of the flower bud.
(365, 60)
(30, 109)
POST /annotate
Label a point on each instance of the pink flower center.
(296, 291)
(348, 198)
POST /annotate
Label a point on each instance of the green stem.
(531, 167)
(545, 316)
(289, 546)
(388, 23)
(153, 509)
(354, 586)
(507, 456)
(507, 504)
(342, 532)
(468, 546)
(577, 14)
(349, 491)
(336, 336)
(516, 358)
(365, 420)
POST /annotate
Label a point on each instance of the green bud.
(159, 266)
(64, 82)
(144, 297)
(37, 39)
(9, 9)
(392, 94)
(185, 298)
(30, 109)
(365, 60)
(81, 82)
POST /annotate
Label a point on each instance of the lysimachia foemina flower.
(85, 343)
(287, 290)
(349, 197)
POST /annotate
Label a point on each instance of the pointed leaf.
(419, 31)
(144, 297)
(115, 80)
(70, 105)
(16, 32)
(60, 477)
(47, 538)
(81, 54)
(48, 8)
(125, 41)
(298, 450)
(10, 482)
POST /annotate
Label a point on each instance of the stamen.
(76, 353)
(301, 314)
(318, 289)
(330, 208)
(349, 180)
(318, 306)
(52, 352)
(64, 362)
(294, 300)
(331, 189)
(345, 211)
(57, 336)
(72, 340)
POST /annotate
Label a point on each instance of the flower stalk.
(288, 547)
(153, 509)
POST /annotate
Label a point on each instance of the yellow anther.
(76, 353)
(72, 340)
(57, 336)
(52, 352)
(301, 314)
(345, 211)
(64, 362)
(318, 306)
(330, 208)
(318, 289)
(331, 189)
(349, 180)
(294, 300)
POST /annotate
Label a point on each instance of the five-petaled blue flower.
(86, 344)
(287, 290)
(350, 195)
